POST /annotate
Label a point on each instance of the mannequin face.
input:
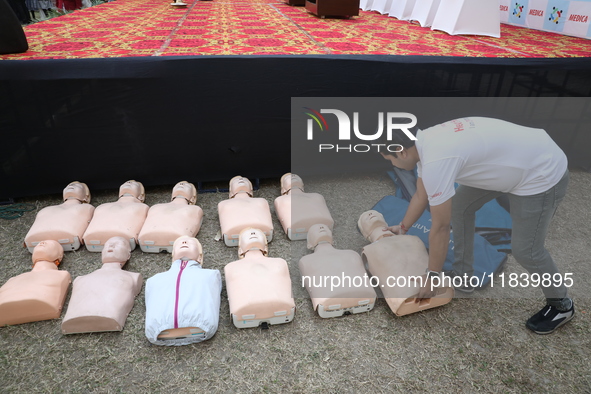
(296, 181)
(252, 238)
(187, 248)
(319, 233)
(369, 221)
(133, 188)
(290, 181)
(240, 184)
(78, 191)
(116, 250)
(186, 190)
(48, 251)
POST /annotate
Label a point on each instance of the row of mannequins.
(76, 222)
(183, 303)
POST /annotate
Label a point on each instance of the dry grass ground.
(471, 344)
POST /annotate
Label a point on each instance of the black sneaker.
(465, 287)
(549, 319)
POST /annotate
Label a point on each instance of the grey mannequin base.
(95, 246)
(334, 311)
(300, 234)
(248, 322)
(66, 244)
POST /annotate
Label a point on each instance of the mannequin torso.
(400, 258)
(259, 287)
(242, 211)
(326, 261)
(101, 300)
(64, 223)
(123, 218)
(36, 295)
(166, 222)
(297, 210)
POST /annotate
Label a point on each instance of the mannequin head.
(49, 250)
(319, 233)
(185, 190)
(252, 238)
(291, 181)
(372, 225)
(134, 189)
(240, 184)
(187, 248)
(77, 191)
(116, 250)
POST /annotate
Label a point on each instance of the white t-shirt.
(488, 154)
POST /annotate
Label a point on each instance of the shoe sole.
(555, 328)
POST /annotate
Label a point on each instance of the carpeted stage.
(136, 89)
(266, 27)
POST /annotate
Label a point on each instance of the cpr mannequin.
(398, 257)
(123, 218)
(259, 287)
(297, 210)
(332, 299)
(183, 303)
(101, 300)
(39, 294)
(241, 210)
(167, 222)
(64, 223)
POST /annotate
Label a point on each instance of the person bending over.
(487, 158)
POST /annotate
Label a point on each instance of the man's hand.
(427, 290)
(396, 230)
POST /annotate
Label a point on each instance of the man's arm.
(415, 209)
(438, 244)
(439, 235)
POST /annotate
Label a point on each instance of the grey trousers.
(531, 216)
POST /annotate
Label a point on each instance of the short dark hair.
(399, 138)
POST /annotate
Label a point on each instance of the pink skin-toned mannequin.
(166, 222)
(398, 258)
(259, 287)
(242, 211)
(64, 223)
(123, 218)
(39, 294)
(338, 296)
(297, 210)
(102, 300)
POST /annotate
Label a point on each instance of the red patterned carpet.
(260, 27)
